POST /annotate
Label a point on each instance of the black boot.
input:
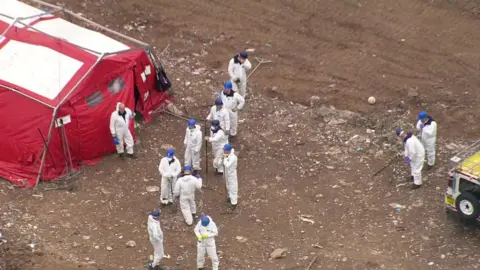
(415, 186)
(121, 155)
(132, 156)
(234, 206)
(194, 216)
(429, 167)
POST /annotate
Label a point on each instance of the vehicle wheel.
(467, 206)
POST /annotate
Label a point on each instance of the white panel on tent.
(16, 9)
(38, 69)
(80, 36)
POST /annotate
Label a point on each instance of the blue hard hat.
(155, 213)
(187, 168)
(244, 54)
(205, 221)
(218, 101)
(170, 152)
(192, 122)
(422, 115)
(227, 147)
(227, 85)
(399, 131)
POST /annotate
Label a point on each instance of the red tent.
(59, 83)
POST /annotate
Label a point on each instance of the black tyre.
(467, 206)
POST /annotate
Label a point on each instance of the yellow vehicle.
(463, 191)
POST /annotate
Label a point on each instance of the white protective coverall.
(428, 137)
(119, 128)
(230, 167)
(185, 188)
(156, 238)
(237, 70)
(168, 168)
(218, 140)
(233, 102)
(221, 115)
(193, 142)
(207, 245)
(415, 151)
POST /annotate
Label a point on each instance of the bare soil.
(298, 153)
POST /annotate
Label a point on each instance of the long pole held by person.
(206, 155)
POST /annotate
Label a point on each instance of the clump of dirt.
(14, 257)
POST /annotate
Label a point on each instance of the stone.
(347, 114)
(314, 100)
(86, 237)
(324, 111)
(153, 188)
(412, 92)
(279, 253)
(241, 239)
(131, 243)
(75, 244)
(109, 248)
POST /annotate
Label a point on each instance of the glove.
(236, 80)
(200, 238)
(184, 145)
(407, 160)
(205, 235)
(234, 110)
(170, 178)
(422, 125)
(227, 132)
(115, 140)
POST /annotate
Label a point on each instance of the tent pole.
(57, 38)
(91, 22)
(54, 115)
(27, 96)
(126, 51)
(9, 27)
(41, 14)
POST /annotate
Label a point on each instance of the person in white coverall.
(233, 102)
(185, 189)
(218, 139)
(414, 155)
(155, 235)
(119, 123)
(169, 168)
(193, 144)
(206, 231)
(220, 113)
(237, 69)
(230, 173)
(427, 128)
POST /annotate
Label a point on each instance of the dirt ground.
(308, 141)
